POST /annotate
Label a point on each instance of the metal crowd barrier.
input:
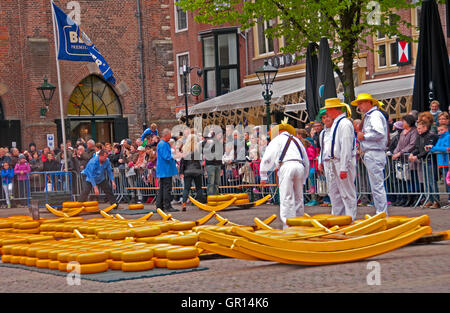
(424, 179)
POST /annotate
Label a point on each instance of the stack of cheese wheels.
(90, 206)
(70, 206)
(160, 253)
(26, 227)
(137, 206)
(215, 200)
(181, 258)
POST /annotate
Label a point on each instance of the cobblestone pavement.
(414, 268)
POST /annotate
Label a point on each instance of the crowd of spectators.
(411, 139)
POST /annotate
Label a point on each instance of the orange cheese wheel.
(138, 206)
(90, 209)
(137, 255)
(42, 263)
(137, 266)
(182, 253)
(72, 204)
(160, 262)
(90, 203)
(182, 264)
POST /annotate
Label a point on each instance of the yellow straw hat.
(284, 126)
(336, 103)
(364, 97)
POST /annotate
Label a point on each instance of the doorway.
(98, 130)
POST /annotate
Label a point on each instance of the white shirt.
(375, 131)
(344, 142)
(325, 145)
(270, 159)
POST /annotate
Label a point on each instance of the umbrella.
(312, 104)
(432, 80)
(326, 85)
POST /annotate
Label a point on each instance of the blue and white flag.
(75, 45)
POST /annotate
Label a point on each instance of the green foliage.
(346, 23)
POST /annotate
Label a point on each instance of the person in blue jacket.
(151, 131)
(165, 169)
(94, 176)
(442, 147)
(7, 182)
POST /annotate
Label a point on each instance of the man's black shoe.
(171, 210)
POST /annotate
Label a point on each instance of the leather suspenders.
(283, 153)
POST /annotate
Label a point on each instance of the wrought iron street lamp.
(266, 75)
(46, 91)
(186, 71)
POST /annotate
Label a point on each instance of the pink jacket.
(25, 167)
(311, 152)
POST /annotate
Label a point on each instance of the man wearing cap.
(373, 140)
(339, 159)
(286, 153)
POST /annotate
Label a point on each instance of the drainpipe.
(141, 64)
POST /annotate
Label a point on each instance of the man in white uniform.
(339, 159)
(373, 139)
(286, 153)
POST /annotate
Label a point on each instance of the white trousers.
(7, 188)
(291, 178)
(342, 192)
(375, 162)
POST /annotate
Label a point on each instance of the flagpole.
(63, 126)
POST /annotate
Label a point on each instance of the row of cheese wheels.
(131, 256)
(92, 206)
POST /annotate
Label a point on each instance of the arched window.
(93, 97)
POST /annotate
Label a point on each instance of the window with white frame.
(386, 53)
(180, 18)
(182, 61)
(263, 43)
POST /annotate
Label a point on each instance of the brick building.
(135, 39)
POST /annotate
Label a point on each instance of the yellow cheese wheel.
(182, 253)
(137, 266)
(163, 238)
(53, 265)
(15, 259)
(92, 257)
(182, 264)
(43, 253)
(42, 263)
(161, 252)
(185, 240)
(62, 266)
(26, 225)
(31, 261)
(147, 231)
(339, 221)
(217, 198)
(137, 255)
(185, 225)
(91, 209)
(6, 258)
(15, 250)
(116, 255)
(241, 201)
(90, 203)
(6, 224)
(39, 238)
(115, 265)
(53, 254)
(240, 196)
(23, 260)
(93, 268)
(72, 204)
(139, 206)
(160, 262)
(165, 227)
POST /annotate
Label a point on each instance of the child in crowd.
(7, 182)
(442, 147)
